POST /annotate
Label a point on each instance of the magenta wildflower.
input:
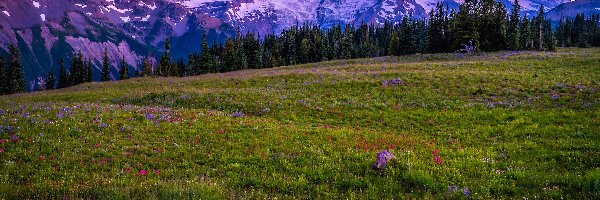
(438, 160)
(142, 172)
(1, 150)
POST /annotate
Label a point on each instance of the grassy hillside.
(506, 125)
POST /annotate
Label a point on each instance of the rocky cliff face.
(49, 29)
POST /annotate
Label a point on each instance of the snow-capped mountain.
(48, 29)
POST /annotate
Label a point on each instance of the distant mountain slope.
(571, 9)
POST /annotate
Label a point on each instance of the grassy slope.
(507, 124)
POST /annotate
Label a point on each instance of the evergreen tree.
(77, 68)
(514, 27)
(251, 48)
(63, 79)
(193, 66)
(147, 67)
(105, 67)
(123, 70)
(206, 61)
(228, 56)
(164, 66)
(15, 70)
(395, 48)
(5, 80)
(526, 35)
(438, 30)
(407, 42)
(180, 68)
(465, 27)
(539, 30)
(50, 81)
(549, 40)
(241, 61)
(89, 70)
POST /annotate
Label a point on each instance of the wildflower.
(127, 170)
(149, 117)
(156, 172)
(238, 114)
(452, 189)
(142, 172)
(438, 160)
(122, 128)
(302, 101)
(435, 152)
(393, 82)
(383, 158)
(98, 145)
(14, 138)
(103, 125)
(1, 150)
(466, 191)
(2, 141)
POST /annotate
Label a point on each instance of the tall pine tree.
(123, 70)
(15, 70)
(164, 66)
(63, 79)
(514, 27)
(5, 80)
(50, 81)
(105, 67)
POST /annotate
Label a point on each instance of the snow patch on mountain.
(43, 17)
(6, 13)
(36, 4)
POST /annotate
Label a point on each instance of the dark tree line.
(579, 32)
(80, 71)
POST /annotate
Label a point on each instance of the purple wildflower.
(238, 114)
(466, 191)
(393, 82)
(149, 116)
(452, 189)
(383, 158)
(14, 138)
(2, 112)
(302, 101)
(103, 125)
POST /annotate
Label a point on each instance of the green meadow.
(507, 125)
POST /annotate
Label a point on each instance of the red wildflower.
(435, 152)
(127, 169)
(98, 145)
(1, 150)
(156, 172)
(142, 172)
(2, 141)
